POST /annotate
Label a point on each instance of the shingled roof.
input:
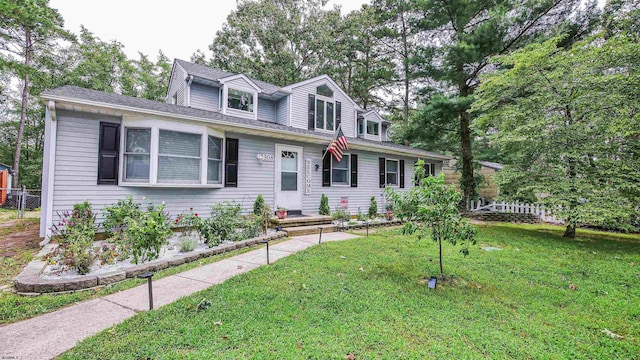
(212, 74)
(99, 98)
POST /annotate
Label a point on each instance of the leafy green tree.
(571, 117)
(27, 29)
(152, 78)
(459, 37)
(324, 205)
(430, 209)
(373, 208)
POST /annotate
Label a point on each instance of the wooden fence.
(546, 215)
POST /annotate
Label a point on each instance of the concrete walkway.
(49, 335)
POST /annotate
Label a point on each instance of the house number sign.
(307, 178)
(265, 157)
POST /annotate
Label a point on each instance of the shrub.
(116, 215)
(147, 233)
(190, 222)
(264, 217)
(226, 223)
(76, 233)
(361, 216)
(258, 205)
(187, 244)
(116, 218)
(324, 205)
(373, 208)
(341, 215)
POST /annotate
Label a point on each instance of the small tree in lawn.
(431, 209)
(373, 208)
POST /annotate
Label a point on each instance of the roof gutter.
(255, 130)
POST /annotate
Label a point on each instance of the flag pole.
(335, 136)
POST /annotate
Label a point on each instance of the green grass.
(14, 307)
(10, 214)
(368, 297)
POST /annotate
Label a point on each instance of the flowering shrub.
(147, 233)
(226, 223)
(116, 218)
(75, 233)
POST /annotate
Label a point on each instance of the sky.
(179, 28)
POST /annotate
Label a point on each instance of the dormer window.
(240, 100)
(373, 128)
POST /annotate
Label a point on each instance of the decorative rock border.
(371, 225)
(29, 281)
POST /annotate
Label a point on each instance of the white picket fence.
(546, 215)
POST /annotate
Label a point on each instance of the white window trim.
(386, 171)
(366, 128)
(236, 112)
(348, 184)
(205, 150)
(326, 100)
(155, 125)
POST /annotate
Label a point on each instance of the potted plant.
(281, 213)
(389, 213)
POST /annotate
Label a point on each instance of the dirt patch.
(18, 235)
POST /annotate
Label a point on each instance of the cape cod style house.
(218, 137)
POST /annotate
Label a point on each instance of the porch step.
(311, 229)
(301, 221)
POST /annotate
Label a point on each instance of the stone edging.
(29, 281)
(371, 225)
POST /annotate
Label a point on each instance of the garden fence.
(20, 200)
(545, 214)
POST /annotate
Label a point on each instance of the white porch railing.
(546, 215)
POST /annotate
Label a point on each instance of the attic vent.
(324, 90)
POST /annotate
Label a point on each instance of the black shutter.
(338, 113)
(312, 112)
(326, 170)
(231, 163)
(354, 170)
(108, 151)
(401, 173)
(415, 178)
(433, 169)
(382, 166)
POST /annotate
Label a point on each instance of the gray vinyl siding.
(282, 111)
(266, 110)
(205, 97)
(75, 177)
(358, 197)
(76, 164)
(178, 84)
(299, 110)
(383, 133)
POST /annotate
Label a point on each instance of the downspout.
(188, 95)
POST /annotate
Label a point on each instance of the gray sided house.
(218, 137)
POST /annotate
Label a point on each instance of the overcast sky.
(179, 28)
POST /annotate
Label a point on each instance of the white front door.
(289, 173)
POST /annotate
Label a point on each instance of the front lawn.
(542, 296)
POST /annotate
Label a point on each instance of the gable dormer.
(240, 96)
(372, 126)
(319, 104)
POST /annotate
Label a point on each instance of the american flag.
(338, 145)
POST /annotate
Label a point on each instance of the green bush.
(324, 205)
(361, 216)
(116, 218)
(373, 208)
(226, 223)
(76, 233)
(258, 205)
(187, 244)
(341, 215)
(147, 233)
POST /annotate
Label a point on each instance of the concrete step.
(311, 229)
(299, 221)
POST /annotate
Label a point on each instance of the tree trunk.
(440, 245)
(405, 63)
(23, 112)
(468, 185)
(570, 231)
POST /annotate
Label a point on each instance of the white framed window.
(179, 157)
(240, 100)
(373, 128)
(137, 155)
(340, 170)
(214, 160)
(392, 171)
(169, 154)
(325, 113)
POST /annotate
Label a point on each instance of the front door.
(289, 177)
